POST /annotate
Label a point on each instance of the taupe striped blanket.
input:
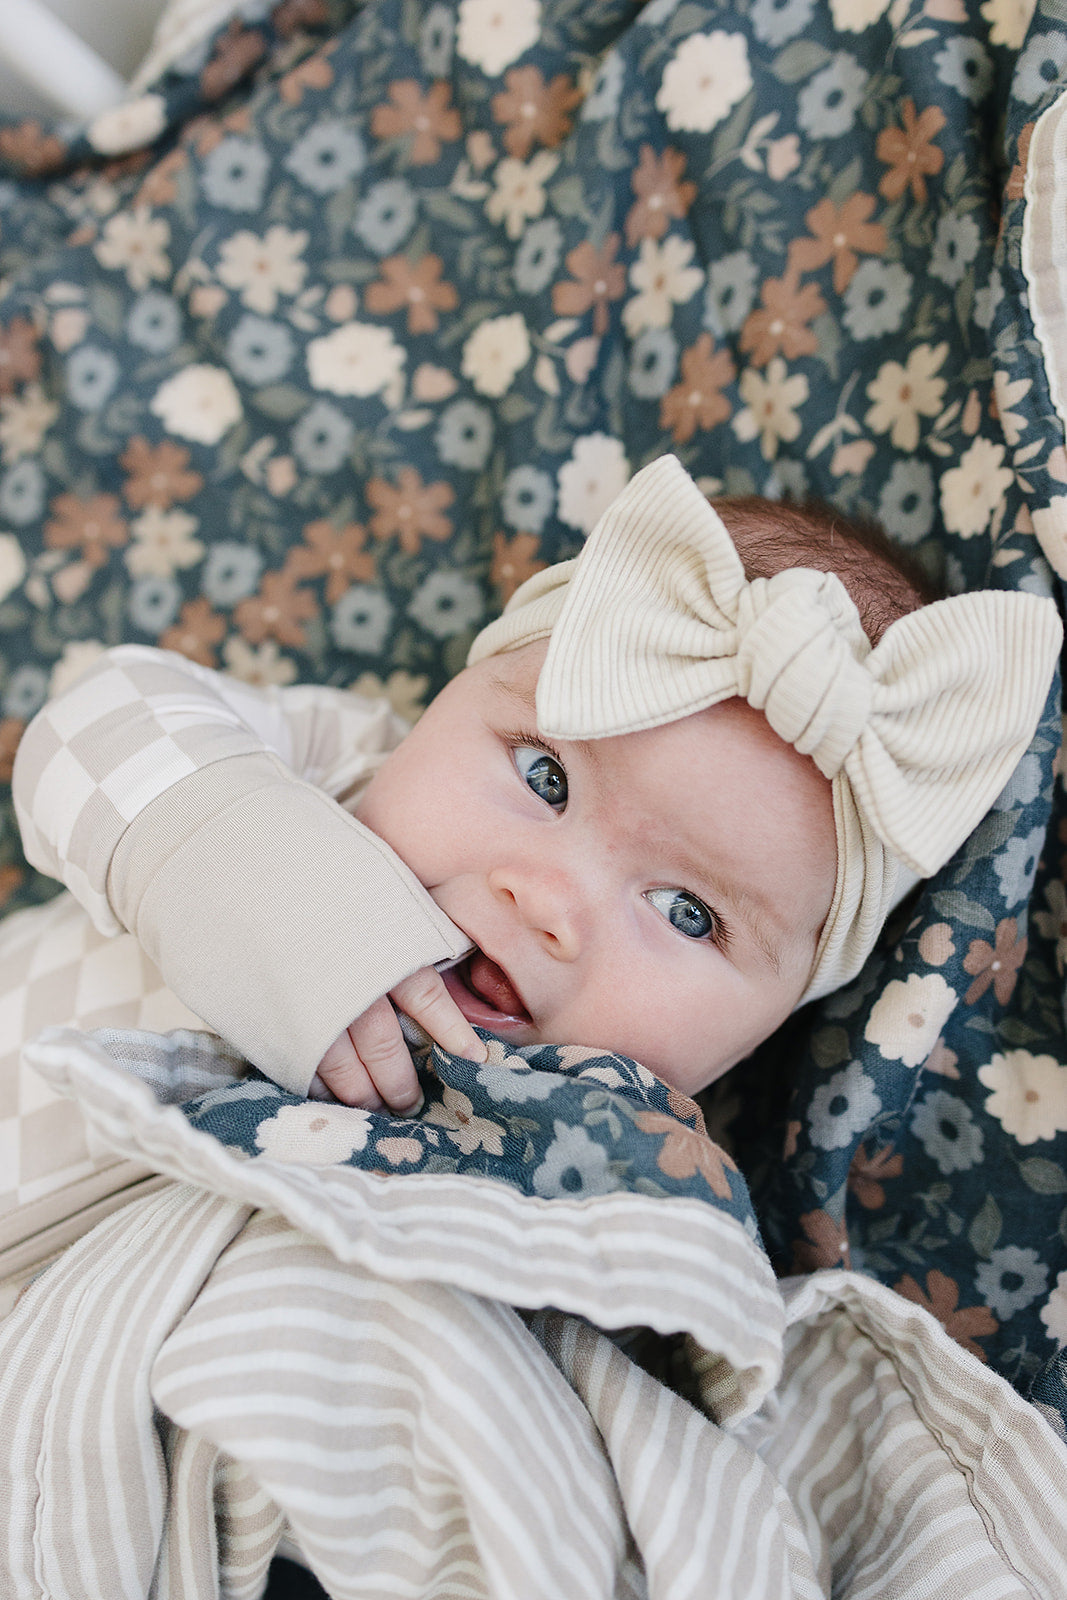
(446, 1385)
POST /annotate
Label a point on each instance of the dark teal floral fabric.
(551, 1121)
(312, 353)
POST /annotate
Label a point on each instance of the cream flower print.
(903, 394)
(162, 543)
(664, 278)
(359, 358)
(491, 34)
(495, 352)
(456, 1115)
(519, 195)
(771, 401)
(1008, 392)
(78, 656)
(136, 243)
(1029, 1095)
(313, 1134)
(261, 665)
(707, 75)
(260, 268)
(1054, 1312)
(12, 564)
(24, 421)
(1008, 21)
(128, 126)
(852, 16)
(406, 692)
(974, 491)
(199, 402)
(908, 1016)
(589, 481)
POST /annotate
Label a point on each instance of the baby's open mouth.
(484, 993)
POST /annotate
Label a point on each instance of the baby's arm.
(170, 801)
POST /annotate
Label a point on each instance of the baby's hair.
(885, 582)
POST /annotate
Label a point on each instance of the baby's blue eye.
(683, 911)
(544, 775)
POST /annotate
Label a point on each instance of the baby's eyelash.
(513, 736)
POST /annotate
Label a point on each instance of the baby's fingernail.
(476, 1051)
(413, 1109)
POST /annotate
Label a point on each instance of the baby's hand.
(369, 1065)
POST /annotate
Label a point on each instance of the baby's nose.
(547, 901)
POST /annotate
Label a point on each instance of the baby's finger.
(381, 1049)
(424, 998)
(345, 1076)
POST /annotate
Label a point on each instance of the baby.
(668, 801)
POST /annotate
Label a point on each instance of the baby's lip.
(485, 993)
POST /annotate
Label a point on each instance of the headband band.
(655, 620)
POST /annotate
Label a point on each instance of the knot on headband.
(655, 620)
(801, 654)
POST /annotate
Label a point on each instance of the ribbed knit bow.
(655, 619)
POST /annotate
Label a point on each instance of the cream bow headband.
(655, 619)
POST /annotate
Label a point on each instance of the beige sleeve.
(164, 796)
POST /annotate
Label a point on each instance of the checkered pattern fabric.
(56, 967)
(142, 720)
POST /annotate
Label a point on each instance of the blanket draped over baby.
(309, 353)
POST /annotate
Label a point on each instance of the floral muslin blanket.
(362, 312)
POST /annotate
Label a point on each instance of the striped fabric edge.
(417, 1438)
(946, 1459)
(622, 1259)
(707, 1514)
(81, 1472)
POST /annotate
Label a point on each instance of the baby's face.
(659, 894)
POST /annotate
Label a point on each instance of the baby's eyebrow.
(522, 697)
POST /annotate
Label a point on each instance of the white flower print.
(852, 16)
(596, 472)
(519, 195)
(707, 75)
(1009, 21)
(908, 1016)
(129, 125)
(260, 268)
(136, 243)
(359, 358)
(1008, 391)
(771, 406)
(261, 665)
(664, 278)
(12, 564)
(1054, 1312)
(902, 394)
(313, 1134)
(199, 402)
(24, 420)
(494, 33)
(973, 491)
(162, 542)
(495, 352)
(1029, 1094)
(456, 1115)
